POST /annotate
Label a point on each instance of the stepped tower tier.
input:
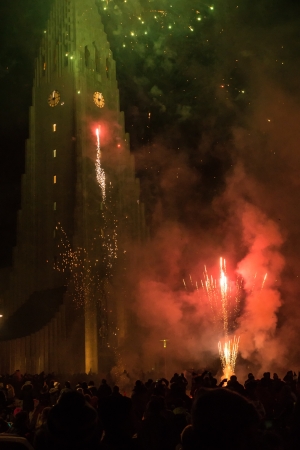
(80, 208)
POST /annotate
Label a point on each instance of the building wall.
(63, 210)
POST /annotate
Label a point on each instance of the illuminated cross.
(165, 342)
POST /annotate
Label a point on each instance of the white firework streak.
(100, 174)
(228, 353)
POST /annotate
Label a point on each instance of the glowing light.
(228, 354)
(164, 342)
(100, 174)
(224, 294)
(253, 287)
(264, 280)
(224, 299)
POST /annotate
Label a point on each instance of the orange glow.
(98, 136)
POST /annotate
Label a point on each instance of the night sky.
(211, 97)
(195, 71)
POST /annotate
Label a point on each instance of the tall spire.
(70, 235)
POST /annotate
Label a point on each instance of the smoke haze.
(213, 114)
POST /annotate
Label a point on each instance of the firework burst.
(224, 298)
(228, 354)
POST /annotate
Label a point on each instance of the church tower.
(80, 213)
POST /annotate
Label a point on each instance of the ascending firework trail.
(224, 299)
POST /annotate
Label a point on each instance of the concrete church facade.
(66, 306)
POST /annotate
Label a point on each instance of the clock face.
(54, 98)
(99, 99)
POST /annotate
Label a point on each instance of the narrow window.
(86, 56)
(97, 58)
(44, 66)
(54, 127)
(54, 206)
(54, 179)
(54, 233)
(54, 153)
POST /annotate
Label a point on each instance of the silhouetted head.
(117, 416)
(116, 390)
(223, 419)
(73, 423)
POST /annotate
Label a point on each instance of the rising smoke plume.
(233, 194)
(212, 107)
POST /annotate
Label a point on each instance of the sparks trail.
(264, 280)
(253, 286)
(109, 230)
(85, 278)
(82, 269)
(224, 298)
(88, 270)
(228, 354)
(100, 174)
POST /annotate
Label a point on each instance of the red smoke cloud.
(184, 317)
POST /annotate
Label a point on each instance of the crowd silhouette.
(175, 414)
